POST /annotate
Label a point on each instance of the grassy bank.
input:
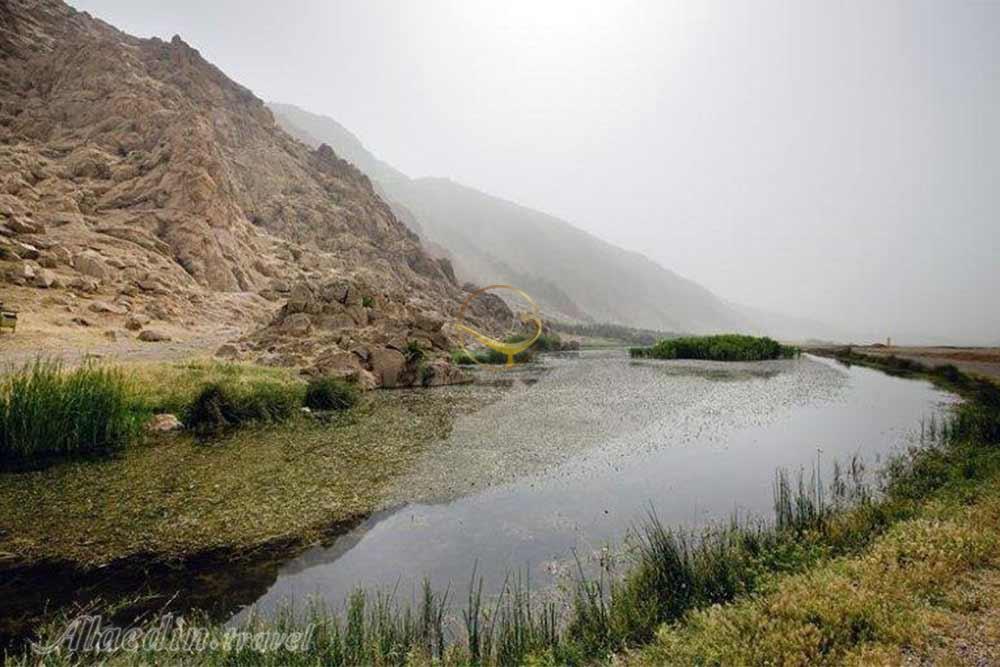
(842, 572)
(49, 413)
(725, 347)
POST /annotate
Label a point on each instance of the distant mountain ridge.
(573, 274)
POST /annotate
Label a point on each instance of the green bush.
(413, 352)
(723, 347)
(329, 393)
(46, 411)
(462, 358)
(219, 406)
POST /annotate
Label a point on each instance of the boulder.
(164, 423)
(91, 264)
(297, 324)
(366, 380)
(61, 255)
(440, 372)
(84, 284)
(301, 299)
(45, 279)
(150, 283)
(24, 226)
(387, 366)
(345, 365)
(228, 351)
(153, 336)
(105, 307)
(25, 250)
(428, 322)
(136, 321)
(336, 291)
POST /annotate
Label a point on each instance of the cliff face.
(134, 169)
(102, 129)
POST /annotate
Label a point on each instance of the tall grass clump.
(724, 347)
(48, 411)
(220, 406)
(328, 393)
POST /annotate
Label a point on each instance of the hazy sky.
(837, 160)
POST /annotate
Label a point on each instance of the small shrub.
(367, 301)
(219, 406)
(413, 352)
(462, 358)
(950, 373)
(329, 393)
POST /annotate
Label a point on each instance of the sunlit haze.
(835, 161)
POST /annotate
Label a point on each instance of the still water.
(580, 447)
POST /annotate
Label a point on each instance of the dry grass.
(875, 608)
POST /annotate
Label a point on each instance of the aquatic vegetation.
(723, 347)
(47, 411)
(327, 393)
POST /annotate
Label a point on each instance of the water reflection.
(575, 459)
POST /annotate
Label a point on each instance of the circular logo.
(516, 314)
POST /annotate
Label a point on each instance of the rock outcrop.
(135, 173)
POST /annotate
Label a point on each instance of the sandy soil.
(61, 325)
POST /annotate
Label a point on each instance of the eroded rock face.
(133, 171)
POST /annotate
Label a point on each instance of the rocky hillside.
(574, 275)
(140, 187)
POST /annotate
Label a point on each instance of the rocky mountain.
(139, 185)
(573, 274)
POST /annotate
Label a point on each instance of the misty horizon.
(829, 163)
